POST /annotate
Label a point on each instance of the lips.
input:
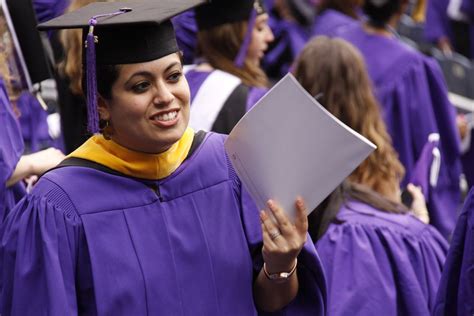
(165, 118)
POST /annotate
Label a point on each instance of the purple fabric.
(194, 248)
(186, 35)
(415, 104)
(290, 39)
(378, 263)
(49, 9)
(421, 172)
(456, 290)
(255, 94)
(437, 22)
(330, 22)
(11, 149)
(34, 124)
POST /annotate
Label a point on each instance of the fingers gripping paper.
(289, 145)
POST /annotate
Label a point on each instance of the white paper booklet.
(289, 145)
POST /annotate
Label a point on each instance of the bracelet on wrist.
(280, 277)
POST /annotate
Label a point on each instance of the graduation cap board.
(122, 32)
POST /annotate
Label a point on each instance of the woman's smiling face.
(149, 108)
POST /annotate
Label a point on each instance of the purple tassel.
(240, 59)
(92, 113)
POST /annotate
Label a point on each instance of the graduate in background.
(456, 290)
(228, 80)
(413, 96)
(149, 217)
(14, 166)
(290, 22)
(379, 258)
(450, 25)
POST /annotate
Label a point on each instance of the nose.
(269, 37)
(163, 95)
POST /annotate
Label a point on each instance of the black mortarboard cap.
(23, 20)
(220, 12)
(143, 33)
(123, 32)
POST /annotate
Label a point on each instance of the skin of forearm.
(23, 169)
(271, 296)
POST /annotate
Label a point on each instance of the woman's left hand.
(283, 240)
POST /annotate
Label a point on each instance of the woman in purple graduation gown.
(412, 93)
(379, 259)
(456, 290)
(227, 79)
(149, 217)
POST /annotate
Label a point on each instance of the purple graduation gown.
(378, 263)
(456, 290)
(411, 90)
(92, 243)
(11, 149)
(330, 22)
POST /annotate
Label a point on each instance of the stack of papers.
(288, 145)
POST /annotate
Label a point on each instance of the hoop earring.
(105, 129)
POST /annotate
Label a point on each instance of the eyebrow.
(145, 73)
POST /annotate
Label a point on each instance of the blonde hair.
(71, 66)
(335, 68)
(220, 45)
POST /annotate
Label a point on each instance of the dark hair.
(380, 15)
(347, 7)
(326, 212)
(106, 77)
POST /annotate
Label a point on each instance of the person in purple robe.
(334, 15)
(290, 22)
(456, 289)
(379, 257)
(412, 93)
(14, 165)
(227, 79)
(149, 217)
(449, 26)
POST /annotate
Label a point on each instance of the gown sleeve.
(456, 290)
(40, 242)
(311, 298)
(376, 270)
(11, 148)
(416, 105)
